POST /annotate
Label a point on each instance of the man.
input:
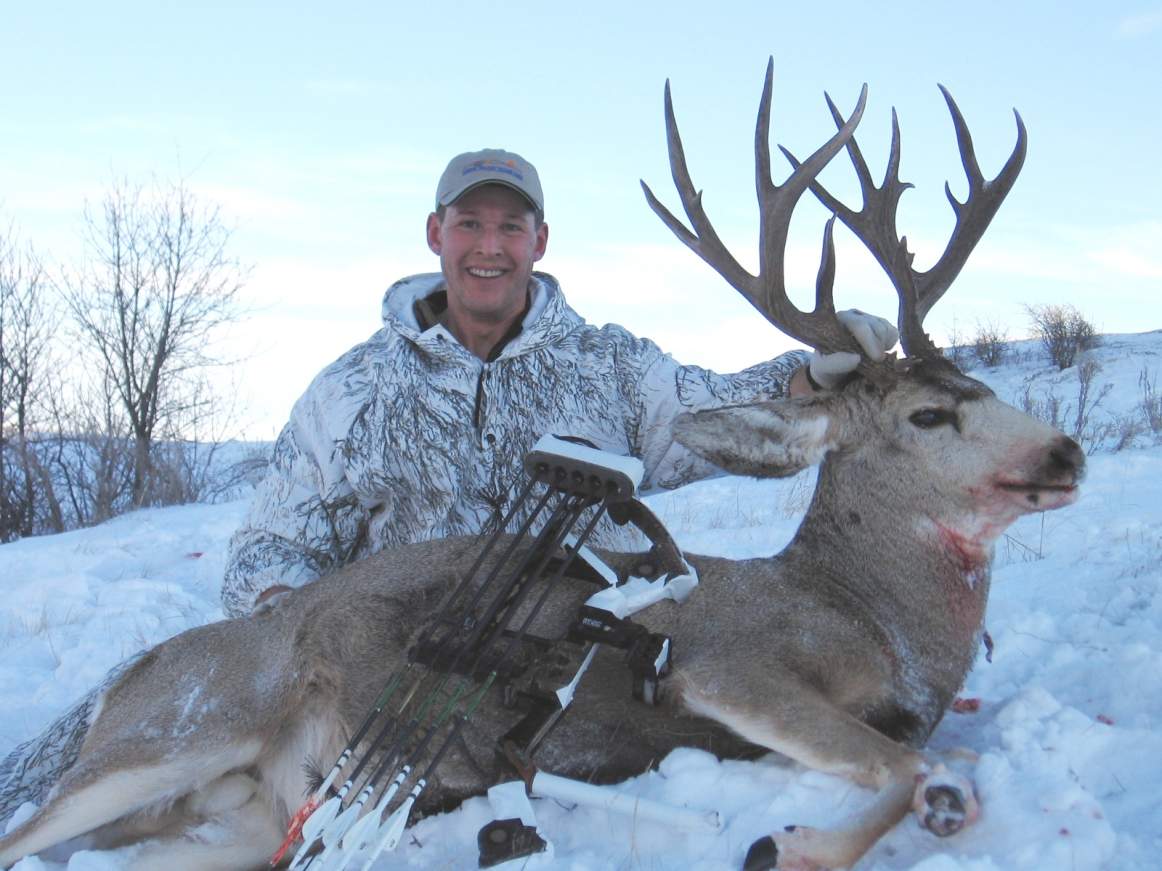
(420, 432)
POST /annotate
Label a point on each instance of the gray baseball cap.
(490, 166)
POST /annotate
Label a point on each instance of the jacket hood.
(549, 317)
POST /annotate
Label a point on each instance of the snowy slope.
(1068, 730)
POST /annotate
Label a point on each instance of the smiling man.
(487, 240)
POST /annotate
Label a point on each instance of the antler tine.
(876, 219)
(972, 219)
(875, 223)
(764, 184)
(767, 291)
(825, 279)
(703, 241)
(975, 213)
(820, 328)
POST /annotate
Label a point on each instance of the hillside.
(1068, 728)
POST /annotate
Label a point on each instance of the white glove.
(875, 336)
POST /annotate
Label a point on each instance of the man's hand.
(269, 593)
(875, 336)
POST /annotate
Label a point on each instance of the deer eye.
(930, 418)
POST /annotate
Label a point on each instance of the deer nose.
(1067, 459)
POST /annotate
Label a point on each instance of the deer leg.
(805, 726)
(94, 793)
(181, 788)
(236, 838)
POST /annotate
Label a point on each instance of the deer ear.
(771, 439)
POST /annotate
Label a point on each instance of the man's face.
(488, 243)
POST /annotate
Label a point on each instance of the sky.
(320, 133)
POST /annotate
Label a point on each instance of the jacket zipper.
(478, 407)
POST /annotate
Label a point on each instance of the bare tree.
(158, 283)
(26, 321)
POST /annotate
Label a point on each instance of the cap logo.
(504, 168)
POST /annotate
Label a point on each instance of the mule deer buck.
(841, 652)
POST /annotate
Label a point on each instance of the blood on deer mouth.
(1041, 497)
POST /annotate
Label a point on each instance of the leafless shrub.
(1077, 418)
(1046, 407)
(243, 473)
(185, 460)
(86, 456)
(87, 461)
(1016, 550)
(990, 344)
(27, 320)
(1150, 401)
(1124, 431)
(1064, 332)
(1022, 354)
(191, 471)
(1085, 431)
(957, 349)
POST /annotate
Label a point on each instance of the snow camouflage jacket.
(409, 436)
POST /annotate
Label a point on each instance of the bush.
(1047, 407)
(1124, 431)
(1064, 332)
(1087, 432)
(990, 346)
(957, 350)
(1150, 402)
(1078, 419)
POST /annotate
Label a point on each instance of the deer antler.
(875, 223)
(766, 292)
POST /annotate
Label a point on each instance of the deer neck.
(897, 557)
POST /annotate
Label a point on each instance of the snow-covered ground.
(1068, 728)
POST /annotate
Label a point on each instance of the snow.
(1066, 732)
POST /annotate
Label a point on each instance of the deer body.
(843, 651)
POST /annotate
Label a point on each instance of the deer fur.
(841, 652)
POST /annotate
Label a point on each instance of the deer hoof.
(796, 848)
(762, 855)
(944, 803)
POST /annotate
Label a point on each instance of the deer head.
(914, 434)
